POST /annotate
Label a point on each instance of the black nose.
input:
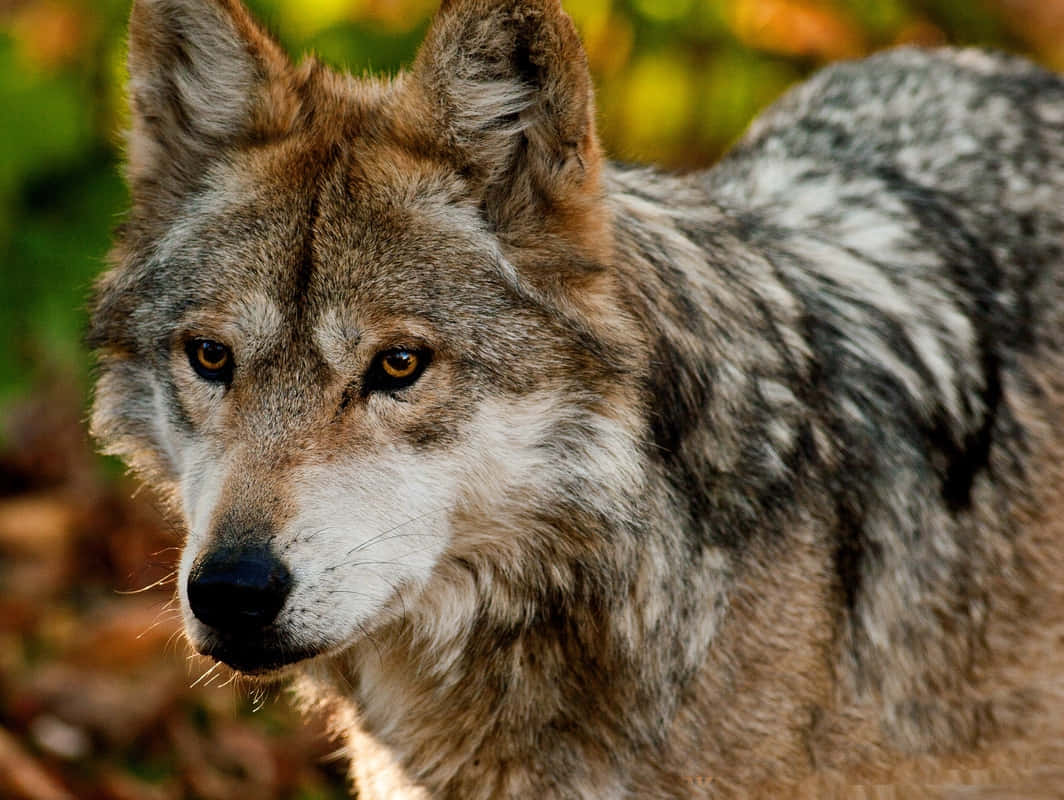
(236, 588)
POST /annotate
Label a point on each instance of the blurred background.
(98, 697)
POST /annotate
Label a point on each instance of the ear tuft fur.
(511, 98)
(202, 77)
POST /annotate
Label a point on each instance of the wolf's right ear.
(203, 77)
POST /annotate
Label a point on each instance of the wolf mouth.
(262, 653)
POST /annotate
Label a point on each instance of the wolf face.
(386, 366)
(561, 479)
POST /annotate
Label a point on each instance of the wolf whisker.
(300, 539)
(162, 581)
(390, 532)
(209, 671)
(172, 615)
(171, 640)
(359, 563)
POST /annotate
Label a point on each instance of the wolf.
(556, 478)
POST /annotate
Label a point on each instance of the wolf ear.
(202, 77)
(510, 98)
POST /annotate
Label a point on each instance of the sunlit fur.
(745, 482)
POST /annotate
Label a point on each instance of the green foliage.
(678, 79)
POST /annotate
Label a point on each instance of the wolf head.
(362, 333)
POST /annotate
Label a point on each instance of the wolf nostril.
(235, 588)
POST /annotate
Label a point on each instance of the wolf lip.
(256, 657)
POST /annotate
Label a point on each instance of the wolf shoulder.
(986, 126)
(903, 215)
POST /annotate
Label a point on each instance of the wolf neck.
(578, 675)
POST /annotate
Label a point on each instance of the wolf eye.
(395, 369)
(211, 360)
(399, 365)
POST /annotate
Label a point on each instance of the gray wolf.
(555, 478)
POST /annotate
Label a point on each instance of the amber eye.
(211, 360)
(395, 369)
(399, 364)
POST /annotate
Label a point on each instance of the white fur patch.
(336, 336)
(200, 485)
(366, 527)
(257, 321)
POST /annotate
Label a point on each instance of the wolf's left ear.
(510, 98)
(203, 77)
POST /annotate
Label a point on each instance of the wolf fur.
(746, 481)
